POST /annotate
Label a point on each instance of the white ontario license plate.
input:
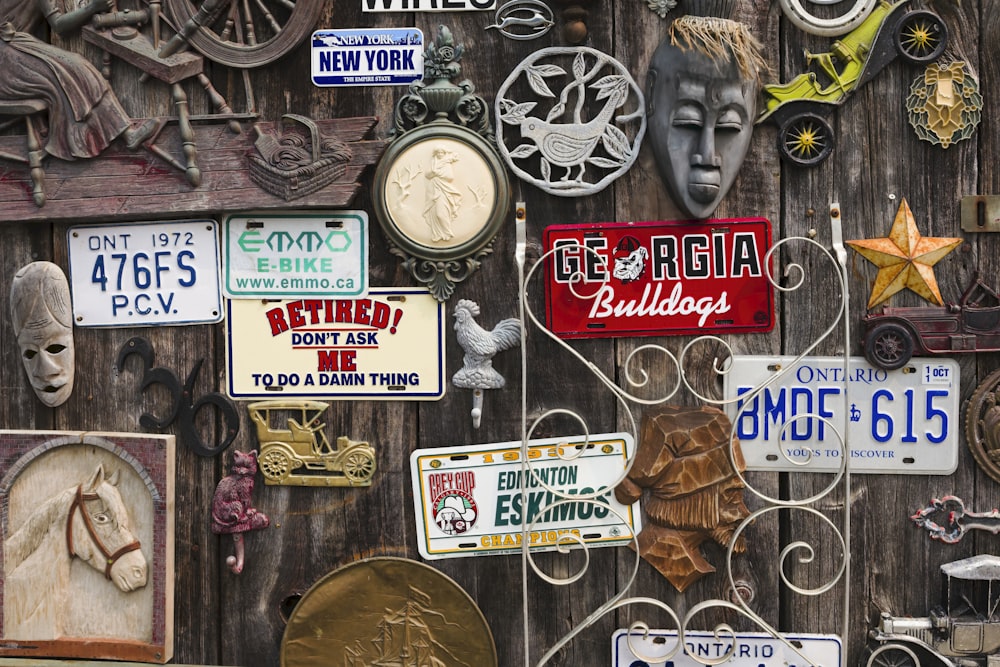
(901, 421)
(468, 498)
(145, 273)
(752, 649)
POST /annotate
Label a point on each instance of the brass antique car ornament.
(387, 611)
(440, 191)
(298, 453)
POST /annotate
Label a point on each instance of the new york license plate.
(468, 498)
(143, 274)
(901, 421)
(749, 649)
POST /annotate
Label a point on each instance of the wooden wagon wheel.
(245, 33)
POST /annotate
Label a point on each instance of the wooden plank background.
(238, 620)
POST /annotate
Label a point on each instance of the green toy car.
(799, 107)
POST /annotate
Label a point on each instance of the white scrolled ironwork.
(636, 377)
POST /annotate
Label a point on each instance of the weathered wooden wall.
(239, 620)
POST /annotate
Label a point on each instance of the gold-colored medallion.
(387, 611)
(944, 104)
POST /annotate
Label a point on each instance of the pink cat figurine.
(231, 510)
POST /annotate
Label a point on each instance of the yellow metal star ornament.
(904, 259)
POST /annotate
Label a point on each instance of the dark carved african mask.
(700, 116)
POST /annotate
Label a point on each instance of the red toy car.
(894, 335)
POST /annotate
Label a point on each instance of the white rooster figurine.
(480, 346)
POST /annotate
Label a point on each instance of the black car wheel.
(891, 655)
(805, 139)
(921, 36)
(889, 346)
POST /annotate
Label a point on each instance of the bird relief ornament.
(441, 191)
(577, 141)
(480, 346)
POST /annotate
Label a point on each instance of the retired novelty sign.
(387, 346)
(658, 278)
(469, 500)
(367, 57)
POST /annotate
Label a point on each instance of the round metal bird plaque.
(387, 611)
(583, 128)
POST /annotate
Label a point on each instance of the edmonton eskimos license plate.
(468, 498)
(142, 274)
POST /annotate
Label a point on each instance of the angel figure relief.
(566, 139)
(443, 198)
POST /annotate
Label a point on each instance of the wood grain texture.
(226, 619)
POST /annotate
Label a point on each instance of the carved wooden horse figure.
(88, 521)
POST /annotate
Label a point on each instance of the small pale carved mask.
(42, 313)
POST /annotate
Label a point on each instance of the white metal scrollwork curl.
(637, 378)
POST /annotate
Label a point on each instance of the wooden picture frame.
(88, 545)
(441, 194)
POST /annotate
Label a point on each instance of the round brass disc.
(982, 425)
(387, 611)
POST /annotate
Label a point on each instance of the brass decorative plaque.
(387, 611)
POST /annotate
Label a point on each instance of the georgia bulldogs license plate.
(658, 278)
